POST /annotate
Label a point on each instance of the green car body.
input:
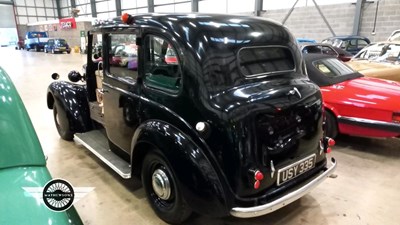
(22, 164)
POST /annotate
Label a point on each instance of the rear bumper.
(373, 124)
(284, 200)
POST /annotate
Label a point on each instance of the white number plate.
(289, 172)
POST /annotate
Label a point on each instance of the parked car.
(381, 60)
(35, 40)
(233, 127)
(395, 36)
(305, 40)
(23, 165)
(349, 43)
(326, 49)
(57, 45)
(354, 104)
(20, 44)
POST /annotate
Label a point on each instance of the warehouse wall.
(307, 22)
(72, 36)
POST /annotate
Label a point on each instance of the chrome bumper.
(284, 200)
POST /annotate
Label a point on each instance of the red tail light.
(328, 150)
(331, 142)
(256, 184)
(396, 117)
(258, 175)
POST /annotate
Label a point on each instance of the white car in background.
(395, 36)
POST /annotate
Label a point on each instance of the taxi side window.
(123, 56)
(161, 64)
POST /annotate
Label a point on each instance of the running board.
(97, 143)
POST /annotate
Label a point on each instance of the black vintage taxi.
(213, 112)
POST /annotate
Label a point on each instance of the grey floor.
(366, 190)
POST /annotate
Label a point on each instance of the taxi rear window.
(254, 61)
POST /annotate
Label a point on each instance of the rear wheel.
(162, 190)
(62, 123)
(331, 126)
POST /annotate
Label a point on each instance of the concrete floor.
(366, 190)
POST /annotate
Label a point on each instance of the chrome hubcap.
(161, 184)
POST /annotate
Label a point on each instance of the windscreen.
(332, 67)
(61, 41)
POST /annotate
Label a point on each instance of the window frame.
(146, 85)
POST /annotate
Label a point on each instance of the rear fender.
(73, 99)
(199, 182)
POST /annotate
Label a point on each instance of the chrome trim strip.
(112, 166)
(373, 124)
(260, 210)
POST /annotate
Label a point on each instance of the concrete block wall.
(307, 22)
(72, 36)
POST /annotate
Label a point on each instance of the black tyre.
(162, 190)
(62, 123)
(37, 49)
(331, 126)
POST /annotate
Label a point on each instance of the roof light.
(127, 19)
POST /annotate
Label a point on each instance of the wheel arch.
(332, 110)
(73, 99)
(203, 189)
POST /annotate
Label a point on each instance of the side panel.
(73, 99)
(202, 187)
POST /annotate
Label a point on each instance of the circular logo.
(58, 195)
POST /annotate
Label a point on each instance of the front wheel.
(162, 189)
(62, 123)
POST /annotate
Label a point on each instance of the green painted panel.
(19, 143)
(18, 207)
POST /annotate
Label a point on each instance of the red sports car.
(355, 104)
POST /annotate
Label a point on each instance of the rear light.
(258, 176)
(396, 117)
(328, 150)
(256, 184)
(326, 143)
(331, 142)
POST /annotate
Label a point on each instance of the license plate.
(289, 172)
(62, 48)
